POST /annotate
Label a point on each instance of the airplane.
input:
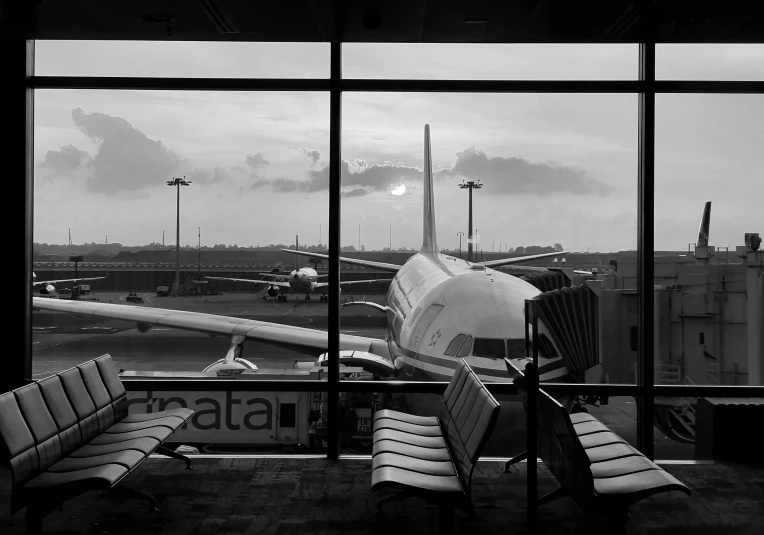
(48, 290)
(439, 309)
(300, 280)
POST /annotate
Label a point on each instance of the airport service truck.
(163, 291)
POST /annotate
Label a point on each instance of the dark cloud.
(518, 176)
(256, 160)
(66, 158)
(127, 159)
(357, 192)
(260, 182)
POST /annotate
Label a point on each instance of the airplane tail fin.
(429, 241)
(705, 225)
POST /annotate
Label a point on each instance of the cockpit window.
(453, 347)
(492, 348)
(516, 348)
(466, 347)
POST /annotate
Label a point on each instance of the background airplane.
(48, 289)
(300, 280)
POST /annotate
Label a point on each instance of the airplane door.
(423, 323)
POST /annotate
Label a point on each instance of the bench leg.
(516, 459)
(395, 497)
(175, 455)
(551, 496)
(445, 519)
(132, 493)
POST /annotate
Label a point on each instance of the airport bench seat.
(593, 465)
(434, 457)
(70, 433)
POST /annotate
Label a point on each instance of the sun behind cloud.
(400, 189)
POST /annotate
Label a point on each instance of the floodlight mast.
(177, 182)
(470, 185)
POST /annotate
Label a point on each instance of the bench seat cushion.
(405, 417)
(435, 468)
(170, 422)
(638, 485)
(411, 450)
(611, 451)
(408, 438)
(593, 440)
(401, 478)
(160, 433)
(579, 417)
(590, 426)
(96, 478)
(185, 414)
(127, 458)
(144, 445)
(405, 427)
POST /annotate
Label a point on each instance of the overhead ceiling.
(429, 21)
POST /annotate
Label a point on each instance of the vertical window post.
(335, 170)
(18, 66)
(646, 245)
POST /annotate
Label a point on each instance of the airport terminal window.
(466, 347)
(185, 59)
(454, 345)
(492, 348)
(287, 415)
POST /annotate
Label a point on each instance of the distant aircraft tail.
(429, 241)
(297, 248)
(705, 225)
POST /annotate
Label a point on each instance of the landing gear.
(324, 298)
(281, 297)
(307, 297)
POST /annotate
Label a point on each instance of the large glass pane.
(708, 285)
(255, 164)
(183, 59)
(729, 61)
(557, 178)
(460, 61)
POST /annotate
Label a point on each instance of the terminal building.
(627, 401)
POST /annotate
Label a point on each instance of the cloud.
(205, 177)
(67, 158)
(357, 192)
(127, 159)
(313, 155)
(519, 176)
(260, 182)
(256, 160)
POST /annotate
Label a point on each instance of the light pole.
(177, 182)
(470, 185)
(460, 234)
(199, 256)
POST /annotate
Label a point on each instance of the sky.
(555, 168)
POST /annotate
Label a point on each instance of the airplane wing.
(355, 261)
(253, 281)
(310, 341)
(516, 260)
(343, 283)
(37, 283)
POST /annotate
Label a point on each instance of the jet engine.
(47, 289)
(273, 291)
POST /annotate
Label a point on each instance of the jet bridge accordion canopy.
(548, 281)
(571, 315)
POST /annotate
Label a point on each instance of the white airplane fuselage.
(435, 298)
(303, 280)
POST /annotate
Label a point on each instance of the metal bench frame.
(561, 449)
(35, 439)
(465, 435)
